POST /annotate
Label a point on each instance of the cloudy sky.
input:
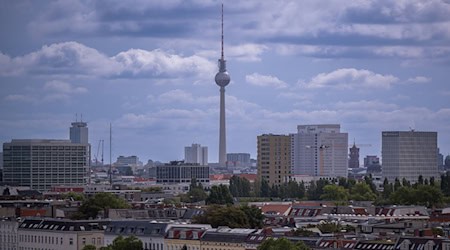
(147, 67)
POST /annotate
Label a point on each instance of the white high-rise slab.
(222, 79)
(196, 154)
(319, 150)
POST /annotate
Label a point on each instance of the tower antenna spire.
(222, 33)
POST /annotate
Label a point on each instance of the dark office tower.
(79, 133)
(353, 161)
(409, 154)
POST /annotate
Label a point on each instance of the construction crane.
(100, 144)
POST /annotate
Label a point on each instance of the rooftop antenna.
(110, 153)
(222, 33)
(81, 117)
(76, 117)
(413, 126)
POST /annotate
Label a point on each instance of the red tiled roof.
(249, 177)
(277, 208)
(218, 177)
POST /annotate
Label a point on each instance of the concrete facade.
(273, 158)
(409, 154)
(319, 150)
(196, 154)
(41, 164)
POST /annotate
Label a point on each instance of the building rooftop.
(62, 225)
(136, 228)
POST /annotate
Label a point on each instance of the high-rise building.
(222, 79)
(238, 159)
(409, 154)
(319, 150)
(180, 172)
(128, 160)
(372, 164)
(371, 160)
(273, 159)
(79, 133)
(353, 160)
(196, 154)
(41, 164)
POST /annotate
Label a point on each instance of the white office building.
(43, 163)
(409, 154)
(319, 150)
(196, 154)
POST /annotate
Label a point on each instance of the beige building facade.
(273, 158)
(34, 234)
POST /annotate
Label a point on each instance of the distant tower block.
(222, 79)
(79, 132)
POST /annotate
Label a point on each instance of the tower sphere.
(222, 79)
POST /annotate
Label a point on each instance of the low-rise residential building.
(178, 237)
(150, 233)
(54, 234)
(8, 233)
(225, 238)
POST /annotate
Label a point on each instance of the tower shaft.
(222, 132)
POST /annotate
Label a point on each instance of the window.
(71, 241)
(83, 241)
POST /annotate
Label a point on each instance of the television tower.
(222, 79)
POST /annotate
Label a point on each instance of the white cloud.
(19, 98)
(246, 52)
(72, 59)
(63, 87)
(158, 63)
(265, 81)
(419, 79)
(350, 78)
(365, 105)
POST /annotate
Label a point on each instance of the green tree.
(369, 181)
(432, 181)
(265, 188)
(420, 180)
(239, 187)
(281, 243)
(233, 217)
(99, 202)
(254, 216)
(196, 192)
(73, 195)
(334, 192)
(388, 188)
(445, 184)
(292, 189)
(421, 195)
(219, 195)
(405, 182)
(397, 184)
(315, 189)
(362, 192)
(128, 243)
(329, 227)
(89, 247)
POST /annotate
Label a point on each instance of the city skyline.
(148, 69)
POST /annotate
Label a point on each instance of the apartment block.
(273, 158)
